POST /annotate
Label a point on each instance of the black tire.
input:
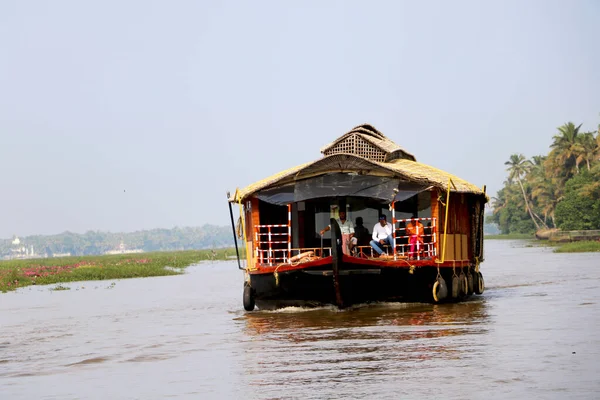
(480, 283)
(462, 286)
(470, 283)
(455, 287)
(249, 301)
(441, 289)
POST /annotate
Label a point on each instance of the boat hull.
(357, 285)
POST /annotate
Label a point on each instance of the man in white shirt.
(347, 229)
(382, 235)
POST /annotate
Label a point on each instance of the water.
(532, 334)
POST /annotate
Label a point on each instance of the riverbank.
(511, 236)
(588, 246)
(20, 273)
(578, 247)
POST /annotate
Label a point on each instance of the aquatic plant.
(578, 247)
(19, 273)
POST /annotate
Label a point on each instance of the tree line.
(96, 242)
(558, 190)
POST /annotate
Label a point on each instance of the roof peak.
(369, 130)
(366, 141)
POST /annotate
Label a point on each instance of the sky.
(129, 115)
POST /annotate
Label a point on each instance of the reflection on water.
(402, 321)
(187, 336)
(366, 342)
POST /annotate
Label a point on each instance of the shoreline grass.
(578, 247)
(45, 271)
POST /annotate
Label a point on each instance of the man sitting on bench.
(382, 235)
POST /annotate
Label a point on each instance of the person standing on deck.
(347, 229)
(382, 235)
(414, 230)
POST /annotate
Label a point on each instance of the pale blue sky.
(177, 102)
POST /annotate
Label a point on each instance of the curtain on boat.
(342, 185)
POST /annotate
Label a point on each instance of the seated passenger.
(382, 235)
(361, 233)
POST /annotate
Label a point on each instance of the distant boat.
(437, 223)
(544, 234)
(123, 250)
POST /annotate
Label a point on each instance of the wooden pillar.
(252, 220)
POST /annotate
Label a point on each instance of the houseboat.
(316, 234)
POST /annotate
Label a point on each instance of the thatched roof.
(410, 171)
(367, 142)
(404, 167)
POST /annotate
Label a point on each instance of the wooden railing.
(273, 244)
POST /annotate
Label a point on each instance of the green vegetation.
(557, 190)
(96, 242)
(580, 208)
(510, 236)
(19, 273)
(578, 247)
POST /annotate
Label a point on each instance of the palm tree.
(509, 197)
(547, 194)
(566, 148)
(598, 144)
(518, 166)
(544, 192)
(500, 201)
(537, 170)
(589, 149)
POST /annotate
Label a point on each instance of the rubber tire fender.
(455, 285)
(463, 284)
(440, 290)
(480, 287)
(470, 283)
(248, 298)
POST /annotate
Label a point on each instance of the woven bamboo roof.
(366, 141)
(404, 167)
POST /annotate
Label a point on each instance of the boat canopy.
(342, 185)
(351, 175)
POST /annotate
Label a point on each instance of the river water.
(532, 334)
